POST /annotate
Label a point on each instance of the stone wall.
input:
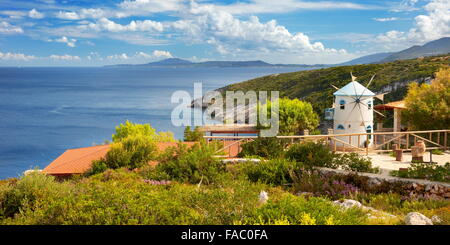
(417, 188)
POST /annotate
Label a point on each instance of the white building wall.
(351, 119)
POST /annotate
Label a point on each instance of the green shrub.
(273, 172)
(123, 197)
(300, 211)
(312, 181)
(311, 154)
(267, 147)
(397, 204)
(119, 197)
(294, 116)
(98, 166)
(190, 164)
(355, 162)
(133, 129)
(193, 135)
(27, 191)
(131, 152)
(437, 152)
(425, 171)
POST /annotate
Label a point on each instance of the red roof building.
(78, 161)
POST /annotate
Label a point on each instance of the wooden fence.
(381, 141)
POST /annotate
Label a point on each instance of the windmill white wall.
(353, 113)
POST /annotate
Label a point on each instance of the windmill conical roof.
(354, 89)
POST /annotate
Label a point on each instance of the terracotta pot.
(422, 147)
(416, 151)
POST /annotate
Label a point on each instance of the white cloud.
(161, 53)
(284, 6)
(69, 41)
(14, 14)
(92, 13)
(67, 15)
(65, 57)
(433, 25)
(16, 56)
(122, 56)
(129, 8)
(156, 54)
(35, 14)
(143, 55)
(105, 24)
(229, 34)
(405, 6)
(138, 7)
(6, 28)
(385, 19)
(94, 55)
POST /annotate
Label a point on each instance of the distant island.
(177, 62)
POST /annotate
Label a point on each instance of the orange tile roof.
(392, 105)
(78, 161)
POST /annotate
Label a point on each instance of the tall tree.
(428, 105)
(295, 116)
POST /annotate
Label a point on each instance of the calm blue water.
(44, 111)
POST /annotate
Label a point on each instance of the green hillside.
(315, 85)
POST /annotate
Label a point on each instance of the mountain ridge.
(177, 62)
(436, 47)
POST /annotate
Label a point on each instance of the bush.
(191, 165)
(193, 135)
(428, 104)
(425, 171)
(295, 210)
(344, 185)
(322, 185)
(294, 116)
(98, 166)
(132, 129)
(273, 172)
(396, 204)
(27, 192)
(355, 162)
(119, 197)
(267, 147)
(311, 154)
(131, 152)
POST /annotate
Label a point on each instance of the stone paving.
(388, 163)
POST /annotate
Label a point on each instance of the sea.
(45, 111)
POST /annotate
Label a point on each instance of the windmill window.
(369, 105)
(369, 130)
(342, 104)
(341, 127)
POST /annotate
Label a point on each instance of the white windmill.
(353, 112)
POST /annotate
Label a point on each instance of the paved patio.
(387, 163)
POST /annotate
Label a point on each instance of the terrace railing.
(381, 141)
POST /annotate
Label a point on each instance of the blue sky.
(93, 33)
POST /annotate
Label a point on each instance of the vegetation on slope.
(429, 101)
(315, 85)
(191, 186)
